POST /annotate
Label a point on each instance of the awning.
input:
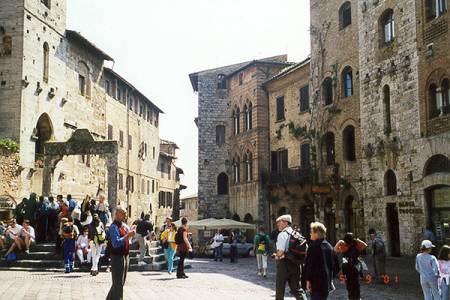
(212, 223)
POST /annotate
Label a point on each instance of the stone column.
(112, 166)
(47, 174)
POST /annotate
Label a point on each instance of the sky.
(156, 44)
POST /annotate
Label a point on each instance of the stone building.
(290, 178)
(233, 139)
(335, 114)
(189, 207)
(54, 81)
(405, 120)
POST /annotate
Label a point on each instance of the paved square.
(208, 280)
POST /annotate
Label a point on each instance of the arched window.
(390, 183)
(388, 26)
(221, 82)
(437, 164)
(345, 15)
(236, 217)
(248, 160)
(248, 117)
(222, 184)
(329, 149)
(248, 218)
(46, 51)
(236, 120)
(236, 170)
(347, 82)
(327, 91)
(349, 143)
(435, 8)
(84, 84)
(42, 133)
(220, 135)
(435, 100)
(387, 109)
(445, 96)
(245, 117)
(7, 46)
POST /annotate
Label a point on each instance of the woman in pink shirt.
(444, 270)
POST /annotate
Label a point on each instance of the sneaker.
(142, 263)
(67, 271)
(264, 274)
(27, 251)
(259, 274)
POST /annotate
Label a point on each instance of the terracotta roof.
(77, 38)
(260, 61)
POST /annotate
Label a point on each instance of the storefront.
(438, 200)
(7, 206)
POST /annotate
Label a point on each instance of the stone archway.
(82, 143)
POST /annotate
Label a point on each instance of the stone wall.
(9, 181)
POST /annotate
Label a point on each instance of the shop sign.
(321, 189)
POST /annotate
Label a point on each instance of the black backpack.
(297, 248)
(179, 239)
(351, 256)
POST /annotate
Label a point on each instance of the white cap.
(427, 244)
(286, 218)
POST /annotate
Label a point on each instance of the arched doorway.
(42, 133)
(437, 197)
(350, 214)
(330, 221)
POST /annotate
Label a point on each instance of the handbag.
(12, 257)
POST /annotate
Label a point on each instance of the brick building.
(54, 81)
(233, 139)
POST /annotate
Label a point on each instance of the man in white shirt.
(13, 236)
(27, 236)
(218, 246)
(287, 271)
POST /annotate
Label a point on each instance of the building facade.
(405, 119)
(233, 139)
(54, 81)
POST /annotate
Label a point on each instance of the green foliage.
(10, 145)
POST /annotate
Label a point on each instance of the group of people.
(217, 245)
(434, 272)
(312, 263)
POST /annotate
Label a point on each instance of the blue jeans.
(444, 290)
(69, 253)
(170, 253)
(218, 251)
(430, 289)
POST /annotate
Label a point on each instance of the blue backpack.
(12, 257)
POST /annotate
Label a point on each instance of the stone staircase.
(42, 258)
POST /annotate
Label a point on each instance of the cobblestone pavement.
(208, 280)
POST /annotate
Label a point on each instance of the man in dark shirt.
(143, 230)
(319, 264)
(120, 235)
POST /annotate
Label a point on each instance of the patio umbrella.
(212, 223)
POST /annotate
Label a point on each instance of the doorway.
(393, 229)
(330, 221)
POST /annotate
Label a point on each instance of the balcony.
(291, 175)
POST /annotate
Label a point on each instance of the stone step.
(49, 247)
(37, 256)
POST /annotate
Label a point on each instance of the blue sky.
(157, 43)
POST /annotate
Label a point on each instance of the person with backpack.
(318, 271)
(118, 248)
(351, 248)
(53, 209)
(183, 246)
(290, 253)
(97, 243)
(378, 254)
(69, 235)
(261, 249)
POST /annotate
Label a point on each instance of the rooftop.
(115, 74)
(288, 70)
(77, 38)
